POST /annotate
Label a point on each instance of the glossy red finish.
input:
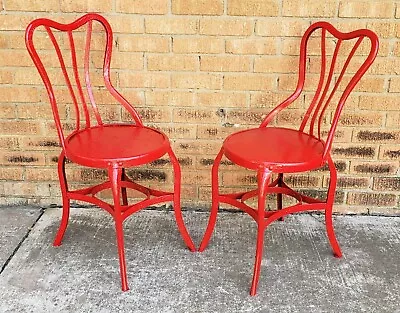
(275, 151)
(93, 143)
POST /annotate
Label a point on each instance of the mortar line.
(22, 241)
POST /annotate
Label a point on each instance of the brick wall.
(200, 70)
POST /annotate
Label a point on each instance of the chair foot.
(121, 255)
(182, 229)
(210, 227)
(258, 258)
(63, 225)
(337, 252)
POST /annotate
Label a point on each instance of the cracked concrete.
(299, 273)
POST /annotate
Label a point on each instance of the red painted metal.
(113, 147)
(278, 150)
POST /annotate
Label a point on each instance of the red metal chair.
(112, 146)
(275, 151)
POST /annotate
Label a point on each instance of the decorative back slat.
(87, 72)
(75, 61)
(332, 91)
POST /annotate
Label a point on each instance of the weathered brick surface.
(199, 70)
(197, 7)
(253, 7)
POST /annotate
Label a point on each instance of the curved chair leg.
(123, 189)
(214, 207)
(115, 175)
(177, 202)
(279, 195)
(263, 177)
(65, 200)
(328, 211)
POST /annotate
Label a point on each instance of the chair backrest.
(337, 61)
(66, 53)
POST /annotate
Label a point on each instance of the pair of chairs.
(270, 151)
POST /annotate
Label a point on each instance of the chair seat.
(126, 145)
(280, 149)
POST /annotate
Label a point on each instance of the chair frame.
(314, 115)
(117, 181)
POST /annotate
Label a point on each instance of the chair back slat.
(320, 82)
(338, 55)
(87, 73)
(65, 74)
(78, 47)
(338, 81)
(77, 79)
(326, 89)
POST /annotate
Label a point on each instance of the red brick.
(35, 6)
(221, 99)
(163, 25)
(204, 44)
(309, 8)
(393, 120)
(377, 136)
(387, 183)
(22, 158)
(263, 46)
(275, 27)
(7, 110)
(248, 82)
(197, 116)
(86, 6)
(151, 115)
(11, 173)
(346, 182)
(225, 63)
(196, 7)
(176, 131)
(142, 6)
(169, 98)
(14, 127)
(196, 177)
(26, 189)
(276, 64)
(253, 7)
(40, 143)
(361, 119)
(226, 27)
(10, 142)
(35, 174)
(160, 62)
(196, 81)
(389, 152)
(354, 151)
(371, 199)
(213, 131)
(144, 80)
(252, 117)
(148, 43)
(370, 9)
(379, 103)
(373, 168)
(197, 147)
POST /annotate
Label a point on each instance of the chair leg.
(177, 202)
(279, 195)
(123, 189)
(328, 211)
(215, 203)
(263, 178)
(66, 201)
(115, 175)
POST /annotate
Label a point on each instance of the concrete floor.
(299, 273)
